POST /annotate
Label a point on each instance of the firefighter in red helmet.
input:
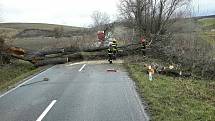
(143, 45)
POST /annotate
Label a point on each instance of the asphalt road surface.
(74, 92)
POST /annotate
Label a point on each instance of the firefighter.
(110, 53)
(114, 45)
(101, 37)
(143, 45)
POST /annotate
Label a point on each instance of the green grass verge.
(208, 36)
(207, 21)
(172, 99)
(14, 73)
(22, 26)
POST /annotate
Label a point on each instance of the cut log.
(174, 73)
(55, 51)
(86, 56)
(52, 61)
(54, 55)
(16, 50)
(63, 55)
(74, 50)
(73, 57)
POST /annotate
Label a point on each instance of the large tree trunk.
(52, 61)
(63, 55)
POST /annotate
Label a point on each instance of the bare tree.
(150, 16)
(100, 18)
(58, 31)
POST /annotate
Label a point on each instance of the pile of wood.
(61, 55)
(169, 71)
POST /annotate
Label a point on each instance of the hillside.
(35, 29)
(37, 36)
(208, 28)
(43, 26)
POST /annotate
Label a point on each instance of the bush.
(190, 50)
(4, 59)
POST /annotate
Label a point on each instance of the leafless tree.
(58, 31)
(100, 18)
(150, 16)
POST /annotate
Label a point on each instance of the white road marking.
(46, 110)
(82, 68)
(72, 64)
(24, 83)
(95, 62)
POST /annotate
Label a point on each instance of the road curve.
(75, 92)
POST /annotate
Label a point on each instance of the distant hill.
(38, 29)
(202, 17)
(192, 24)
(207, 22)
(43, 26)
(40, 36)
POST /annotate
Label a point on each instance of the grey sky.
(71, 12)
(204, 7)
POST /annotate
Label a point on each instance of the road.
(74, 92)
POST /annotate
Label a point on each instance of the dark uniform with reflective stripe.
(114, 45)
(110, 54)
(143, 47)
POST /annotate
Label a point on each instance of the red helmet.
(142, 39)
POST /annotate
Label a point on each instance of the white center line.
(46, 110)
(82, 68)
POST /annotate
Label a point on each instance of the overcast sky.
(71, 12)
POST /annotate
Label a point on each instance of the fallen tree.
(51, 61)
(63, 55)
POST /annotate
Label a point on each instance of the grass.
(43, 43)
(172, 99)
(207, 21)
(208, 36)
(9, 30)
(12, 74)
(22, 26)
(208, 24)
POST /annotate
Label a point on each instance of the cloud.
(204, 7)
(70, 12)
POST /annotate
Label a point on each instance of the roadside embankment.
(175, 99)
(12, 74)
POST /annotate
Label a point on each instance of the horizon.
(76, 26)
(74, 13)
